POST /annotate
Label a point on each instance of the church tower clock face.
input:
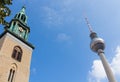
(21, 32)
(20, 29)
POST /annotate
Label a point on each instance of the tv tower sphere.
(97, 45)
(96, 42)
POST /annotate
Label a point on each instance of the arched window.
(23, 18)
(14, 23)
(12, 73)
(18, 15)
(17, 53)
(15, 16)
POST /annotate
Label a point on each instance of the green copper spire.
(23, 10)
(18, 25)
(21, 15)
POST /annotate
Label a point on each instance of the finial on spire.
(23, 9)
(89, 26)
(24, 6)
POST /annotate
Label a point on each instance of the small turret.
(21, 15)
(18, 25)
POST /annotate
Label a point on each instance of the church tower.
(15, 50)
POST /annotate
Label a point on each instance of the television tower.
(97, 45)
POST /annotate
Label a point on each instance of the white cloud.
(116, 62)
(97, 73)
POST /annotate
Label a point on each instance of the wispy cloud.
(60, 13)
(62, 37)
(52, 17)
(97, 73)
(33, 70)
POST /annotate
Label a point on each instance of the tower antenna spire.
(98, 45)
(89, 26)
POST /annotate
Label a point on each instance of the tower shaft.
(106, 66)
(97, 45)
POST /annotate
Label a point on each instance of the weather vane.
(4, 11)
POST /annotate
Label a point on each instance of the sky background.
(61, 38)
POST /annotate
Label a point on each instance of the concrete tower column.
(97, 45)
(106, 66)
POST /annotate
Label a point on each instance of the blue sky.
(61, 38)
